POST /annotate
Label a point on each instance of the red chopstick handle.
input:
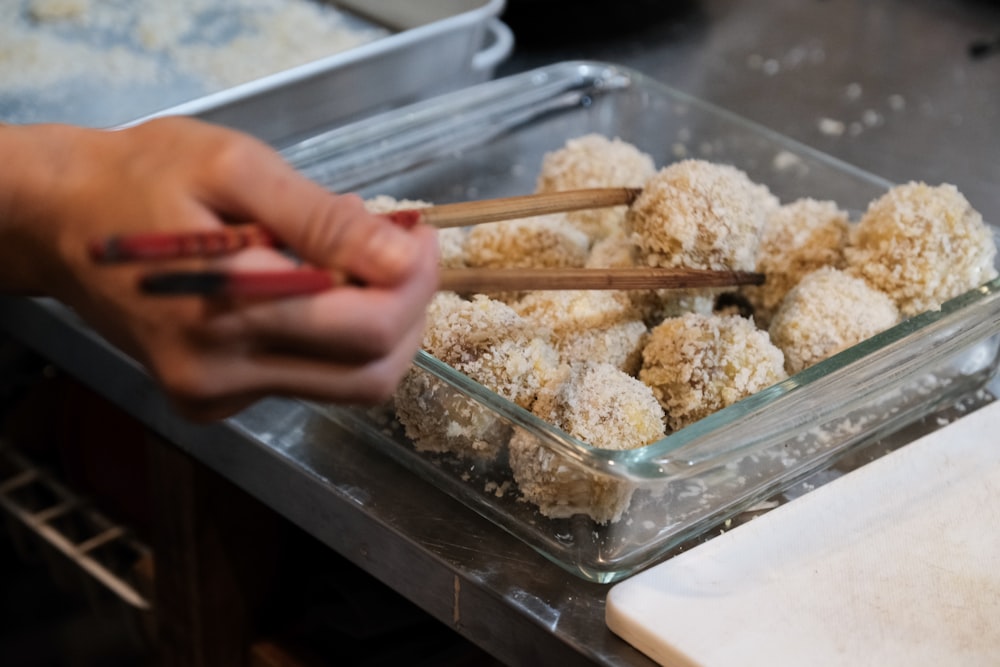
(240, 283)
(279, 283)
(214, 243)
(173, 245)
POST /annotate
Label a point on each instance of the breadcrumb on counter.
(698, 364)
(922, 245)
(595, 161)
(603, 407)
(826, 312)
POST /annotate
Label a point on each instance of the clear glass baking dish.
(488, 141)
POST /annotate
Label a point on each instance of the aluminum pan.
(441, 45)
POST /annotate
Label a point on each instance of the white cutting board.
(897, 563)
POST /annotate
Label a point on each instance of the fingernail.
(407, 218)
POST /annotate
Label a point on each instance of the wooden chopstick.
(482, 211)
(309, 281)
(150, 246)
(641, 278)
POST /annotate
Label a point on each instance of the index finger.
(251, 180)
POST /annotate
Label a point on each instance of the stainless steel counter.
(889, 86)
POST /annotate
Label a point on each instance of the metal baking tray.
(489, 140)
(419, 49)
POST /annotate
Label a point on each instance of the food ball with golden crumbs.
(487, 341)
(698, 364)
(541, 242)
(797, 238)
(546, 241)
(618, 251)
(589, 324)
(595, 161)
(826, 312)
(922, 245)
(601, 406)
(700, 215)
(388, 204)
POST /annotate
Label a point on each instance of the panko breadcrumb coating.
(545, 241)
(603, 407)
(451, 243)
(797, 238)
(826, 312)
(698, 364)
(589, 324)
(613, 251)
(487, 341)
(700, 215)
(388, 204)
(595, 161)
(654, 306)
(541, 242)
(922, 245)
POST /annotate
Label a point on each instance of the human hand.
(214, 357)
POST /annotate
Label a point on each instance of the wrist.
(29, 190)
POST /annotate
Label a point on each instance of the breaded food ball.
(542, 242)
(388, 204)
(698, 364)
(451, 243)
(546, 241)
(589, 324)
(487, 341)
(826, 312)
(797, 238)
(699, 215)
(613, 251)
(922, 245)
(595, 161)
(654, 306)
(603, 407)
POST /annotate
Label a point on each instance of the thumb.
(340, 233)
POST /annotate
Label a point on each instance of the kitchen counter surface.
(897, 88)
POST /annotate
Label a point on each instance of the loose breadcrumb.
(595, 161)
(797, 238)
(601, 406)
(589, 324)
(700, 215)
(698, 364)
(922, 245)
(826, 312)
